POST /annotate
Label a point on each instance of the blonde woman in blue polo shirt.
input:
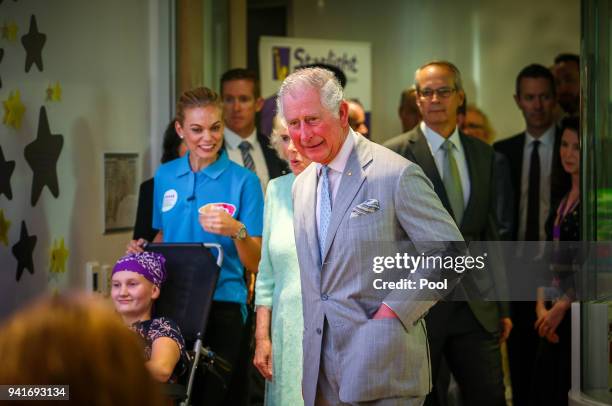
(205, 197)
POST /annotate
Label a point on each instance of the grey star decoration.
(23, 251)
(6, 171)
(42, 155)
(33, 43)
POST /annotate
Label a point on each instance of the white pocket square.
(367, 207)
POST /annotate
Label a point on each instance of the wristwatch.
(241, 234)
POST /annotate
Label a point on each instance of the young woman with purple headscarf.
(136, 281)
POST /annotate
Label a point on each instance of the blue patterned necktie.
(245, 148)
(325, 208)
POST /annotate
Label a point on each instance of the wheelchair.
(186, 298)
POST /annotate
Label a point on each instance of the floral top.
(151, 330)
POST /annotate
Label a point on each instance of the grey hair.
(448, 65)
(275, 136)
(319, 79)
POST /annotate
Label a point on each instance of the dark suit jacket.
(505, 197)
(479, 218)
(276, 166)
(512, 148)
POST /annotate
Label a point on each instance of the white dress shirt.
(232, 140)
(336, 169)
(545, 152)
(435, 141)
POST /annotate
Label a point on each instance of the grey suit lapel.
(351, 181)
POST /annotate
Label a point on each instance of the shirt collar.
(339, 162)
(232, 139)
(548, 138)
(435, 140)
(213, 170)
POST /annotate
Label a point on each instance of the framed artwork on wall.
(120, 191)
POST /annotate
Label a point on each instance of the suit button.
(324, 297)
(319, 331)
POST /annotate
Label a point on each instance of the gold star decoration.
(4, 228)
(13, 110)
(9, 31)
(54, 93)
(59, 255)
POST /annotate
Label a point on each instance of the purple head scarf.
(151, 265)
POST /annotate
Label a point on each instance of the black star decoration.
(23, 251)
(33, 43)
(6, 170)
(42, 155)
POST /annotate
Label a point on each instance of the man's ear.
(517, 100)
(418, 102)
(343, 113)
(259, 102)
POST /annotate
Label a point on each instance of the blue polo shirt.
(179, 193)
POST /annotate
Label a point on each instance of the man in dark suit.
(243, 143)
(539, 183)
(461, 169)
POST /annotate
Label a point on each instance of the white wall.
(99, 53)
(490, 41)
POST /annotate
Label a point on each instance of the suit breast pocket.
(365, 220)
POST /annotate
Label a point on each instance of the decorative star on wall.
(33, 43)
(54, 92)
(9, 31)
(13, 110)
(59, 255)
(6, 171)
(5, 225)
(23, 251)
(42, 155)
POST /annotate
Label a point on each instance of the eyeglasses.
(442, 92)
(474, 126)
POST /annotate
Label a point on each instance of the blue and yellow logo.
(280, 62)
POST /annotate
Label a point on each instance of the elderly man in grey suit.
(361, 345)
(461, 169)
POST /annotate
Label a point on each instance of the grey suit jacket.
(378, 358)
(479, 218)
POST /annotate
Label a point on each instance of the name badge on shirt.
(170, 198)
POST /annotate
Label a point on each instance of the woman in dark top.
(553, 362)
(136, 281)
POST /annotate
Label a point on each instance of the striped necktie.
(452, 181)
(247, 159)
